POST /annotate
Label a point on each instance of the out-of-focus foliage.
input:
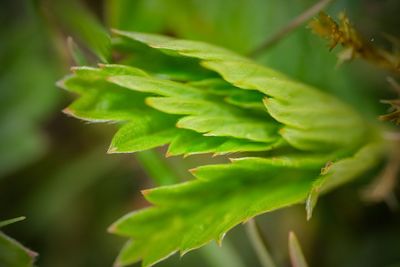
(269, 109)
(41, 176)
(12, 253)
(27, 91)
(82, 25)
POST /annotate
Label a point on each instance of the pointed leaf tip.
(220, 239)
(67, 111)
(61, 84)
(73, 69)
(117, 263)
(145, 192)
(193, 171)
(112, 149)
(112, 228)
(11, 221)
(115, 31)
(311, 203)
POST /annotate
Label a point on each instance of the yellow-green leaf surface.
(294, 104)
(218, 102)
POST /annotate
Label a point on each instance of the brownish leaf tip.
(73, 69)
(111, 229)
(145, 192)
(193, 171)
(117, 263)
(61, 84)
(31, 253)
(326, 168)
(67, 111)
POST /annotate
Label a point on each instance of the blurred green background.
(55, 170)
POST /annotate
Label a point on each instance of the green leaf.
(84, 26)
(102, 101)
(192, 214)
(183, 99)
(244, 128)
(217, 145)
(142, 135)
(26, 103)
(343, 171)
(12, 253)
(161, 64)
(282, 92)
(76, 53)
(145, 128)
(155, 86)
(250, 100)
(243, 107)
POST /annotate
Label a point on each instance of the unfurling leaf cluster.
(197, 98)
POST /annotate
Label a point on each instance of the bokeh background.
(55, 171)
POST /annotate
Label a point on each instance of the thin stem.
(296, 254)
(293, 24)
(259, 243)
(156, 167)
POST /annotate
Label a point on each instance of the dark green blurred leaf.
(11, 221)
(82, 24)
(12, 253)
(27, 91)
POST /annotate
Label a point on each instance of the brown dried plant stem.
(293, 24)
